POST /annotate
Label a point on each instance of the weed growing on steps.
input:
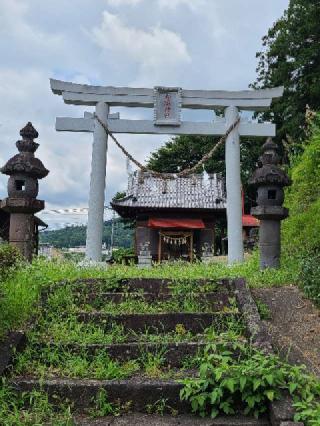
(54, 361)
(153, 363)
(21, 290)
(263, 310)
(31, 408)
(134, 306)
(161, 407)
(73, 297)
(103, 407)
(70, 330)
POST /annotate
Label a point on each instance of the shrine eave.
(132, 212)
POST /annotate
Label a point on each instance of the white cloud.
(16, 31)
(119, 3)
(194, 5)
(158, 52)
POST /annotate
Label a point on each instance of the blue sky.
(209, 44)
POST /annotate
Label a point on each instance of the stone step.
(140, 393)
(173, 354)
(217, 300)
(194, 322)
(156, 285)
(139, 419)
(148, 285)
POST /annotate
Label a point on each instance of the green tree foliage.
(290, 57)
(301, 232)
(73, 236)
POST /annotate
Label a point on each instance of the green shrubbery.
(120, 254)
(248, 383)
(310, 276)
(301, 232)
(9, 259)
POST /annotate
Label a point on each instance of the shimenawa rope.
(184, 172)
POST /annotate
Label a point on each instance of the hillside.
(73, 236)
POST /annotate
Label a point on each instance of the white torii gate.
(167, 103)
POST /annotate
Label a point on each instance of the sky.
(193, 44)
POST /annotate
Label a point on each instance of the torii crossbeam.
(167, 103)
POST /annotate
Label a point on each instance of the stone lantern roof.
(269, 172)
(25, 162)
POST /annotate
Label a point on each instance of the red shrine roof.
(249, 221)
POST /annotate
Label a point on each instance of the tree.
(290, 57)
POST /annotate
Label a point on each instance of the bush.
(119, 254)
(310, 276)
(301, 231)
(9, 259)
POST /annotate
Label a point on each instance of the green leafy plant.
(245, 383)
(308, 411)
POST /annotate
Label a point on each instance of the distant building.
(46, 250)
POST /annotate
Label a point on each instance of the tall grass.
(20, 291)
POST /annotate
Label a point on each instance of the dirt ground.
(157, 420)
(294, 325)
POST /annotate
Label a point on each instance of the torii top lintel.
(81, 94)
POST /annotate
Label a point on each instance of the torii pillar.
(97, 185)
(233, 184)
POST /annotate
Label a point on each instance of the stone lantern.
(269, 179)
(24, 171)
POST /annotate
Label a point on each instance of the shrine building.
(175, 218)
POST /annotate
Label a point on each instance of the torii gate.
(167, 103)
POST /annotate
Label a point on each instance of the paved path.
(294, 325)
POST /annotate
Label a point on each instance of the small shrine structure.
(175, 219)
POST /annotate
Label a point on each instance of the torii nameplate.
(167, 106)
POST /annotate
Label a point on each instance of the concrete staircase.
(177, 336)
